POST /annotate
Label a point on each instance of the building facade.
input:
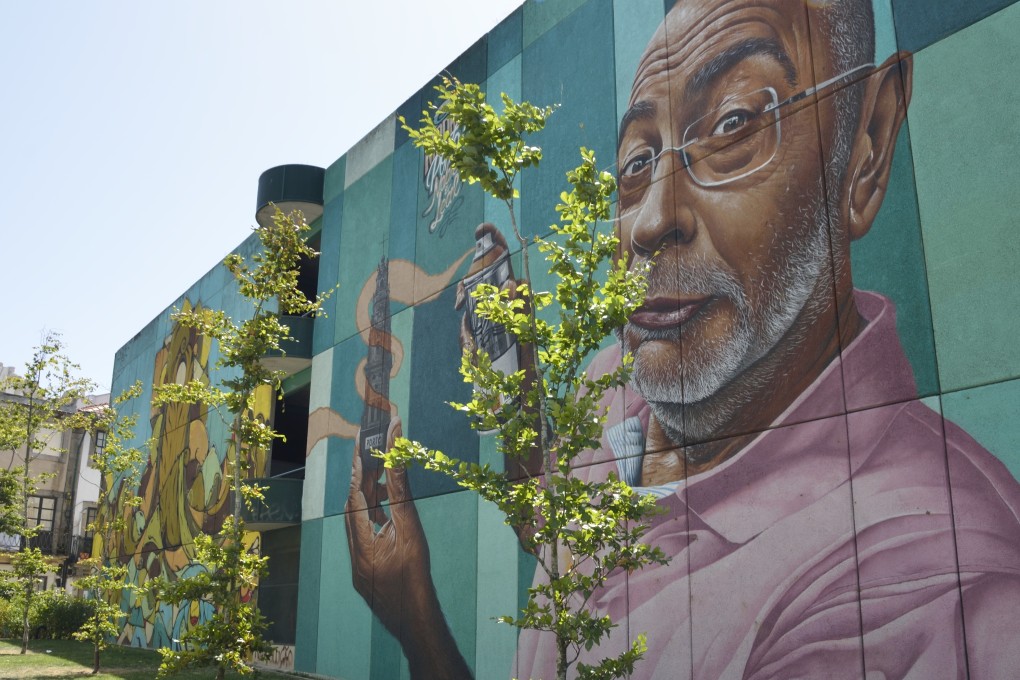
(65, 502)
(826, 383)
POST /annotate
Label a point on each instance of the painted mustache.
(678, 291)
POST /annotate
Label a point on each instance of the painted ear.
(886, 97)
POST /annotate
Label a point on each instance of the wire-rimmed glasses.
(732, 141)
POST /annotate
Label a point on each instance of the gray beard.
(688, 400)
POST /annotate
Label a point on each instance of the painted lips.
(662, 312)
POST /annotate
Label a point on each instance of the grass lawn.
(72, 659)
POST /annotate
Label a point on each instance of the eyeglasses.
(734, 140)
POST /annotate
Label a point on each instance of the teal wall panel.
(434, 370)
(407, 169)
(364, 239)
(324, 333)
(338, 475)
(335, 179)
(498, 582)
(345, 622)
(306, 648)
(584, 89)
(451, 523)
(920, 23)
(505, 41)
(966, 180)
(540, 17)
(507, 80)
(633, 22)
(989, 415)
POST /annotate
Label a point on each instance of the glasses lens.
(735, 139)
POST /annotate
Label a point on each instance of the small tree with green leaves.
(548, 413)
(270, 283)
(10, 518)
(35, 405)
(120, 466)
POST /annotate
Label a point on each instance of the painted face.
(729, 206)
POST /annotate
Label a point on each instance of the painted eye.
(732, 121)
(637, 164)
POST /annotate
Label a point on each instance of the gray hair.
(848, 26)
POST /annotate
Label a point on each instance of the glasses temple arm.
(821, 86)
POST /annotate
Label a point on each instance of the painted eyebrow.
(640, 110)
(725, 61)
(709, 73)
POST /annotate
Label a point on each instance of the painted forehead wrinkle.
(736, 54)
(690, 28)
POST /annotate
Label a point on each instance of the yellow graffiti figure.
(183, 488)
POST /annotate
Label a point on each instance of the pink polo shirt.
(826, 547)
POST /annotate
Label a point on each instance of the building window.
(90, 517)
(41, 510)
(97, 450)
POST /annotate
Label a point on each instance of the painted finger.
(394, 431)
(355, 495)
(360, 532)
(404, 513)
(467, 338)
(510, 285)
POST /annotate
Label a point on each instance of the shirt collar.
(804, 457)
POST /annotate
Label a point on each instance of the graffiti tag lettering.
(281, 658)
(442, 182)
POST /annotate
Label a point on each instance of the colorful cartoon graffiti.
(822, 519)
(183, 492)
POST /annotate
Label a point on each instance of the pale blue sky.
(134, 133)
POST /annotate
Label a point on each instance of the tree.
(270, 283)
(120, 466)
(547, 413)
(10, 518)
(35, 405)
(10, 481)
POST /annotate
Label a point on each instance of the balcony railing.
(73, 546)
(282, 507)
(10, 542)
(80, 549)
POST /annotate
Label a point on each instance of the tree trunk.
(24, 619)
(25, 476)
(95, 658)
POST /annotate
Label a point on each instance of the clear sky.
(132, 136)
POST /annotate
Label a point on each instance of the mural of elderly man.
(822, 521)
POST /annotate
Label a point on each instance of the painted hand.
(390, 563)
(392, 572)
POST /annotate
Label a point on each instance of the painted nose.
(663, 218)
